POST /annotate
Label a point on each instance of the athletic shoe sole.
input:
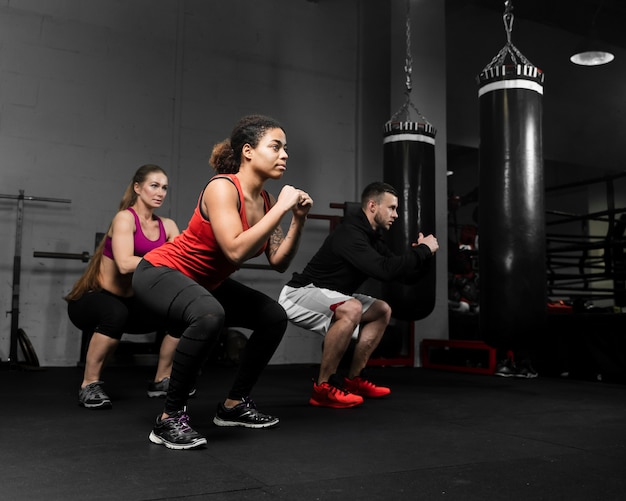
(222, 422)
(155, 439)
(365, 394)
(334, 405)
(157, 394)
(99, 406)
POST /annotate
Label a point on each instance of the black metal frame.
(17, 266)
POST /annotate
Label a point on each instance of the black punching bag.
(409, 166)
(511, 216)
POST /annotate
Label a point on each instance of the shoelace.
(95, 391)
(334, 389)
(248, 402)
(182, 422)
(365, 382)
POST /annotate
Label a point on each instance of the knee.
(277, 313)
(106, 317)
(113, 323)
(350, 310)
(384, 311)
(207, 326)
(275, 318)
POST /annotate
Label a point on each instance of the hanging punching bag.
(511, 217)
(409, 166)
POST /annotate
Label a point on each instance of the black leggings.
(203, 315)
(111, 315)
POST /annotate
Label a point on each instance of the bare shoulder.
(171, 228)
(123, 219)
(220, 185)
(220, 191)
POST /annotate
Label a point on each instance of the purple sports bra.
(142, 244)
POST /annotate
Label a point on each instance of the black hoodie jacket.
(354, 252)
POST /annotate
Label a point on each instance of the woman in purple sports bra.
(102, 300)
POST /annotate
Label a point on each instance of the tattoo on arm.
(276, 239)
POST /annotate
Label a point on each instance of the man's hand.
(429, 240)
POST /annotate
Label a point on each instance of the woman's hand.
(302, 208)
(296, 200)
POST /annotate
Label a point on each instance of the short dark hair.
(375, 190)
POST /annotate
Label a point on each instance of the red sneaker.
(326, 395)
(365, 388)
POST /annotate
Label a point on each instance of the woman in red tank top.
(189, 280)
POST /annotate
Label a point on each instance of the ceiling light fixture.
(591, 52)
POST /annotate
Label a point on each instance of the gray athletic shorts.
(311, 308)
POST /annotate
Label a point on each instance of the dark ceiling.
(608, 17)
(584, 108)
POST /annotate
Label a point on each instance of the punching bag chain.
(408, 62)
(509, 49)
(408, 71)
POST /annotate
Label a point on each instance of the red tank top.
(195, 252)
(142, 244)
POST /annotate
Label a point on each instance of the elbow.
(126, 270)
(235, 259)
(238, 263)
(281, 265)
(280, 268)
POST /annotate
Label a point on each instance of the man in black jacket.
(323, 297)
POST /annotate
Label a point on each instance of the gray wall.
(90, 90)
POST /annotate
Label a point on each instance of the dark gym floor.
(439, 435)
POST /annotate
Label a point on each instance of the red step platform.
(458, 355)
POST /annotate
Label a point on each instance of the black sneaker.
(506, 368)
(174, 432)
(159, 389)
(243, 414)
(526, 370)
(93, 396)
